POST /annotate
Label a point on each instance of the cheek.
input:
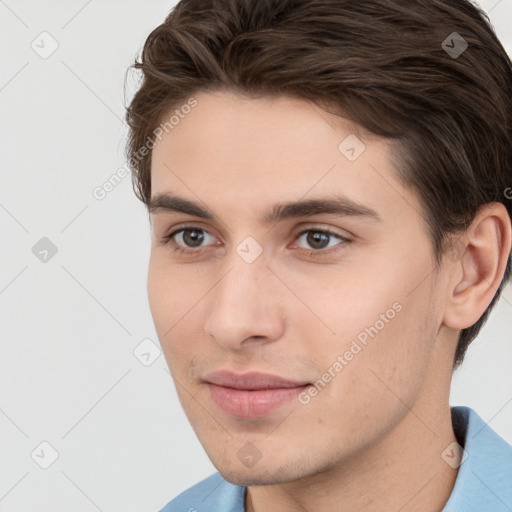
(171, 291)
(347, 304)
(367, 396)
(167, 300)
(391, 365)
(159, 292)
(176, 298)
(383, 323)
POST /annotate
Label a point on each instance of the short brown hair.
(392, 66)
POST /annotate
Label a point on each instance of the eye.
(320, 239)
(188, 239)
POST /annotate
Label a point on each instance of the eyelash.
(168, 239)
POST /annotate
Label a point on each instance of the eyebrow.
(334, 205)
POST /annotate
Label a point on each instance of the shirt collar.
(484, 480)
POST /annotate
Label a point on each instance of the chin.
(262, 474)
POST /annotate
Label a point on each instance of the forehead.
(254, 151)
(231, 127)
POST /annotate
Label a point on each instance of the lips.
(251, 395)
(251, 381)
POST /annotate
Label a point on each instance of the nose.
(244, 306)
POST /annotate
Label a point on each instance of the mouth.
(251, 395)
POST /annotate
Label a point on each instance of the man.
(328, 184)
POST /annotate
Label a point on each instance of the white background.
(68, 375)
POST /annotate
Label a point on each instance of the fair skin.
(372, 438)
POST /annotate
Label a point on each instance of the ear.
(478, 269)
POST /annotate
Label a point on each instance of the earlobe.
(478, 272)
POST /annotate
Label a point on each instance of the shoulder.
(213, 494)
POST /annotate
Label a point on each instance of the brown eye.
(319, 240)
(192, 237)
(189, 239)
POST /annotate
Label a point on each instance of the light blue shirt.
(483, 484)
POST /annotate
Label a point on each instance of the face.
(291, 285)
